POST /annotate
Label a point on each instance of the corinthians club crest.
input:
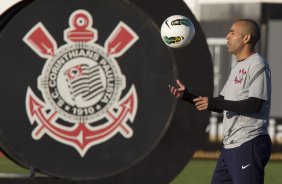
(81, 85)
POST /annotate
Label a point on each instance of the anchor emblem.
(81, 85)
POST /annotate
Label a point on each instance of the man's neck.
(243, 56)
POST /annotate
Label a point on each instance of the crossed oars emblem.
(81, 135)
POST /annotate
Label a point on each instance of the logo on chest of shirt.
(239, 78)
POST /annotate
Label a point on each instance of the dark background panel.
(149, 69)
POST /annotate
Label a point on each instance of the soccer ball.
(177, 31)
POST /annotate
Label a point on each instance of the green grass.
(195, 172)
(200, 172)
(273, 172)
(7, 166)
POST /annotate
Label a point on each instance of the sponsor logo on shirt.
(239, 78)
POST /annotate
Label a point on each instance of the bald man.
(245, 103)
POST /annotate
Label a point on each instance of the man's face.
(235, 38)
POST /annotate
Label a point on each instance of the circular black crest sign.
(84, 87)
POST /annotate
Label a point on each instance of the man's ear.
(247, 38)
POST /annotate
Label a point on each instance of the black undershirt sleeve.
(248, 106)
(216, 108)
(218, 104)
(189, 97)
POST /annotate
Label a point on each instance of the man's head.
(243, 36)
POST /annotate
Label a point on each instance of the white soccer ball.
(177, 31)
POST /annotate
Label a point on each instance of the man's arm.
(189, 97)
(249, 106)
(218, 104)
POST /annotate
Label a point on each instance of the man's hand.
(201, 103)
(178, 92)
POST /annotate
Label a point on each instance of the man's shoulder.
(257, 58)
(256, 61)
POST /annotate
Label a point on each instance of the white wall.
(275, 61)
